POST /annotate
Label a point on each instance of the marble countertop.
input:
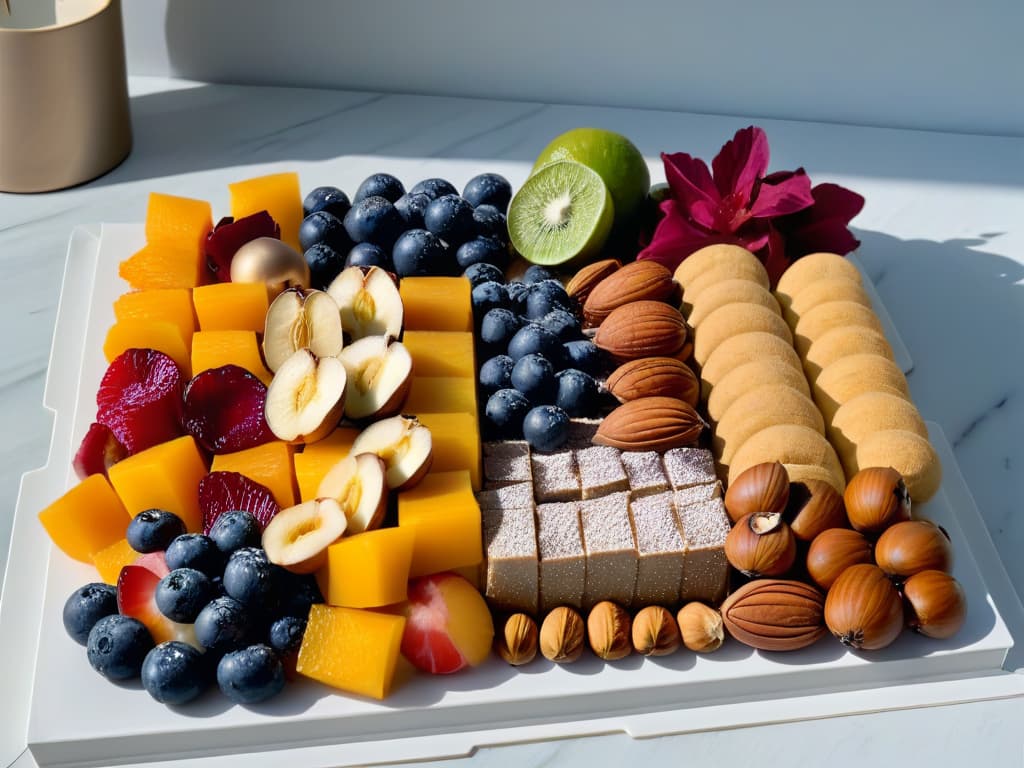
(943, 240)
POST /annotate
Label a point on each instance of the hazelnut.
(761, 544)
(517, 641)
(761, 488)
(561, 635)
(655, 632)
(608, 631)
(701, 627)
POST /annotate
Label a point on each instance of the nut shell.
(913, 546)
(833, 551)
(935, 603)
(587, 278)
(775, 614)
(608, 631)
(655, 632)
(654, 377)
(761, 488)
(863, 609)
(517, 641)
(562, 635)
(639, 281)
(875, 498)
(643, 329)
(815, 506)
(701, 627)
(650, 424)
(761, 544)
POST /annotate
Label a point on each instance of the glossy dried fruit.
(863, 609)
(833, 551)
(99, 451)
(936, 604)
(224, 410)
(608, 631)
(913, 546)
(221, 492)
(139, 399)
(761, 488)
(775, 614)
(654, 377)
(639, 281)
(518, 639)
(875, 498)
(587, 278)
(643, 329)
(561, 635)
(655, 632)
(650, 424)
(761, 544)
(815, 506)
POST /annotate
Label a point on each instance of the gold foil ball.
(270, 261)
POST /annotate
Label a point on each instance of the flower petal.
(782, 193)
(834, 200)
(691, 184)
(741, 162)
(823, 226)
(676, 237)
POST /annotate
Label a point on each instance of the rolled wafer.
(732, 320)
(763, 407)
(743, 378)
(787, 444)
(833, 314)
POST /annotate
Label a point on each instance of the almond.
(639, 281)
(775, 614)
(654, 377)
(650, 424)
(587, 278)
(642, 329)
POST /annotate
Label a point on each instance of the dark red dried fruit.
(221, 492)
(139, 399)
(224, 410)
(99, 451)
(230, 235)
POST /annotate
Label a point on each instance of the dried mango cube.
(212, 349)
(231, 306)
(170, 305)
(86, 519)
(317, 458)
(456, 443)
(149, 334)
(278, 194)
(367, 570)
(441, 394)
(440, 353)
(437, 303)
(110, 560)
(269, 464)
(445, 517)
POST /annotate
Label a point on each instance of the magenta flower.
(777, 216)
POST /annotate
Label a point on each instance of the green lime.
(562, 213)
(617, 160)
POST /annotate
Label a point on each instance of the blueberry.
(546, 428)
(85, 607)
(490, 222)
(326, 228)
(285, 635)
(194, 550)
(488, 189)
(419, 252)
(369, 255)
(330, 199)
(380, 184)
(578, 394)
(250, 675)
(534, 376)
(584, 355)
(374, 220)
(545, 296)
(174, 673)
(496, 373)
(479, 250)
(434, 188)
(563, 324)
(483, 273)
(517, 291)
(117, 646)
(450, 218)
(505, 411)
(410, 207)
(325, 264)
(488, 296)
(498, 327)
(299, 593)
(536, 273)
(183, 593)
(251, 578)
(235, 529)
(153, 529)
(535, 338)
(223, 625)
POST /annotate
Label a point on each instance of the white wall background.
(937, 64)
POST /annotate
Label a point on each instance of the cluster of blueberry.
(242, 616)
(429, 230)
(539, 369)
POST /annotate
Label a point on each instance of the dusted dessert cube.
(316, 459)
(269, 464)
(563, 564)
(169, 305)
(611, 550)
(436, 303)
(705, 526)
(110, 560)
(689, 466)
(581, 432)
(506, 463)
(278, 194)
(444, 516)
(212, 349)
(601, 471)
(555, 476)
(441, 394)
(165, 476)
(440, 353)
(178, 222)
(160, 335)
(231, 306)
(88, 518)
(695, 493)
(660, 547)
(351, 649)
(367, 570)
(510, 541)
(456, 443)
(644, 472)
(515, 496)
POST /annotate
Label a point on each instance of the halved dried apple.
(297, 537)
(403, 444)
(379, 376)
(357, 483)
(300, 318)
(306, 397)
(369, 302)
